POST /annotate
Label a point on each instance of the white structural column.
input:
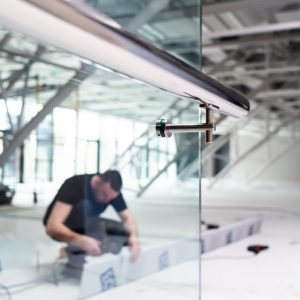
(59, 97)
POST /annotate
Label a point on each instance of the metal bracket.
(164, 128)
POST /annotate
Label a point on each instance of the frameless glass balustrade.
(100, 123)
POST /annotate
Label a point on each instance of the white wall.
(284, 168)
(287, 168)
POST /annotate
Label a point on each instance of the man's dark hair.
(114, 178)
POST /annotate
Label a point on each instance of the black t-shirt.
(77, 191)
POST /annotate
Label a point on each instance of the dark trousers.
(112, 235)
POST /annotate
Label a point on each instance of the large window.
(44, 152)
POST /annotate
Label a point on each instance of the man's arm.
(131, 226)
(57, 230)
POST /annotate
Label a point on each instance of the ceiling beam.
(254, 30)
(232, 6)
(19, 73)
(261, 72)
(36, 58)
(286, 93)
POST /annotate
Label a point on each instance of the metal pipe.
(164, 128)
(172, 128)
(209, 121)
(78, 29)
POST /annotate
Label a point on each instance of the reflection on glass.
(100, 236)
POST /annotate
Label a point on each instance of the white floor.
(233, 273)
(230, 272)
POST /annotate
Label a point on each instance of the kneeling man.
(74, 216)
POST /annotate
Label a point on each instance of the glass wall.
(138, 240)
(44, 152)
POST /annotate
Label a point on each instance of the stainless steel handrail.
(76, 28)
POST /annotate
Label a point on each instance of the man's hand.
(131, 227)
(90, 245)
(134, 246)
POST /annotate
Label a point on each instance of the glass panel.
(117, 240)
(44, 151)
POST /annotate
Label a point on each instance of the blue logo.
(202, 246)
(163, 260)
(108, 279)
(251, 230)
(229, 238)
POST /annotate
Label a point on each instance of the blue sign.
(229, 238)
(202, 246)
(164, 260)
(251, 230)
(108, 279)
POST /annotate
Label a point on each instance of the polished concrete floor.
(230, 272)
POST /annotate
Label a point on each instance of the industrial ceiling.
(250, 45)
